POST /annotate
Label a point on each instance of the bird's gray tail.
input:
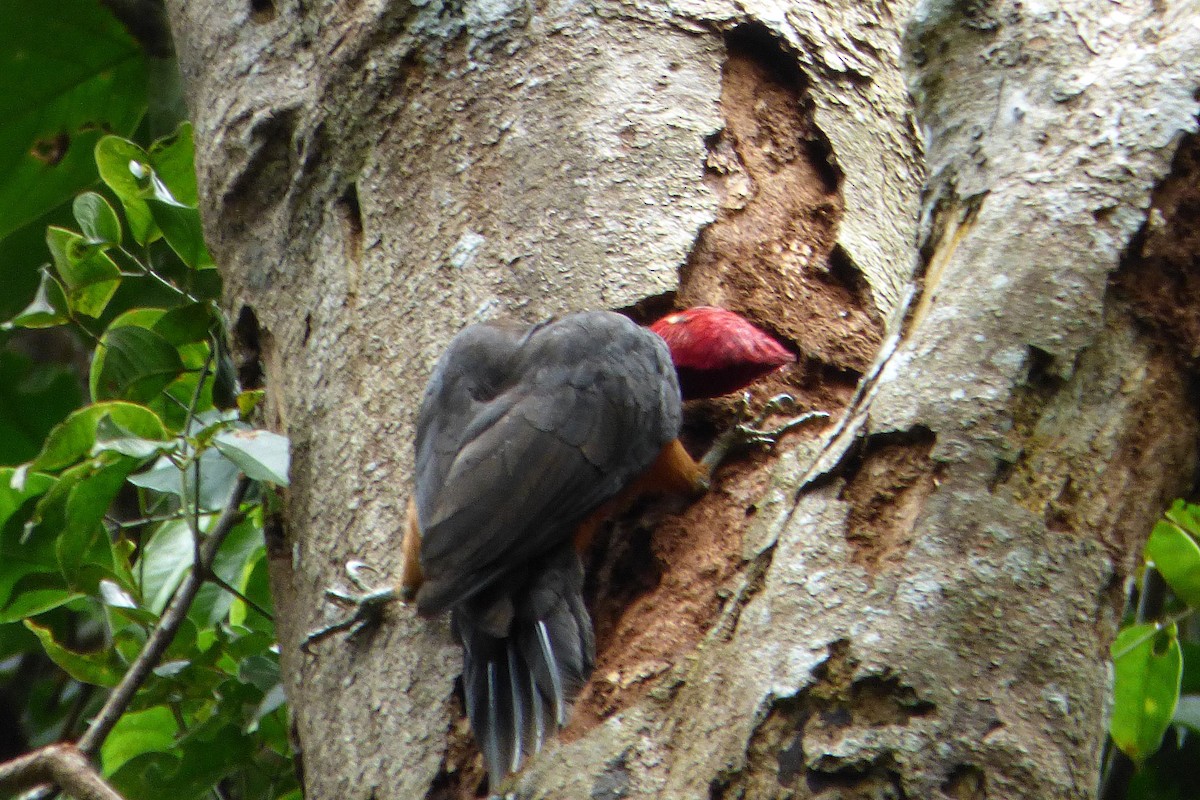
(528, 649)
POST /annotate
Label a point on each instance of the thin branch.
(221, 583)
(164, 632)
(148, 272)
(194, 518)
(61, 764)
(75, 714)
(134, 523)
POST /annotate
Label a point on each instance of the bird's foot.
(752, 434)
(366, 604)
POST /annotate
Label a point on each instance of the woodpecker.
(528, 438)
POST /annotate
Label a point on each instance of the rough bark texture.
(915, 604)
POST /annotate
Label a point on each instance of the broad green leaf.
(166, 559)
(36, 593)
(83, 546)
(259, 671)
(147, 776)
(1177, 557)
(1147, 666)
(126, 169)
(138, 732)
(114, 596)
(211, 751)
(158, 190)
(133, 363)
(181, 228)
(1185, 515)
(174, 160)
(68, 72)
(47, 309)
(186, 324)
(97, 219)
(272, 700)
(262, 455)
(237, 554)
(71, 441)
(15, 497)
(19, 555)
(218, 479)
(206, 284)
(97, 668)
(254, 585)
(112, 437)
(89, 275)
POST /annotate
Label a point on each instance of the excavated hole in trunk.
(658, 581)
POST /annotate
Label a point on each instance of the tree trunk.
(915, 601)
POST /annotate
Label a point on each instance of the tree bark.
(915, 601)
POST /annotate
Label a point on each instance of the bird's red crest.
(717, 352)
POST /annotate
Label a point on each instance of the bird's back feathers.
(522, 434)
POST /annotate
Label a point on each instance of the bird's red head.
(717, 352)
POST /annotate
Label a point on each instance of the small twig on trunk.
(61, 764)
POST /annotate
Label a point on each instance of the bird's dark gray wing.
(581, 407)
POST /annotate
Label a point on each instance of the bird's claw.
(367, 604)
(751, 433)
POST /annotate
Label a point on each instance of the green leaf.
(112, 437)
(186, 324)
(36, 593)
(47, 309)
(20, 556)
(97, 669)
(71, 441)
(138, 732)
(218, 479)
(241, 548)
(1147, 667)
(254, 585)
(259, 671)
(1177, 557)
(181, 228)
(173, 158)
(68, 72)
(158, 190)
(272, 700)
(97, 219)
(83, 546)
(1185, 515)
(89, 275)
(115, 597)
(126, 169)
(166, 559)
(262, 455)
(133, 363)
(16, 490)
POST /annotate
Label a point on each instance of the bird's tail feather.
(524, 664)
